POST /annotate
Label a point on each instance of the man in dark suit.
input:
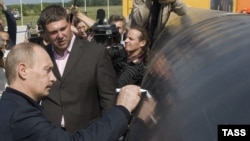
(30, 76)
(86, 79)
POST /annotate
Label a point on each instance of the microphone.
(100, 16)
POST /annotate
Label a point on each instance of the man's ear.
(22, 70)
(142, 43)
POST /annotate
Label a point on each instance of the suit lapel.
(74, 56)
(55, 69)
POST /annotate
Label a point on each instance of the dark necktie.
(155, 10)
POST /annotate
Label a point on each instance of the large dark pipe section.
(198, 78)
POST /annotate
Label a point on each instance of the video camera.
(103, 33)
(109, 36)
(106, 34)
(34, 34)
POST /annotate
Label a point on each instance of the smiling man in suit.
(86, 80)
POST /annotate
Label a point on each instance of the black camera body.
(109, 36)
(106, 34)
(118, 56)
(34, 34)
(103, 33)
(117, 51)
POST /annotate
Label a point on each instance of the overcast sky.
(9, 2)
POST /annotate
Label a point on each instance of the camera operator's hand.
(87, 20)
(2, 5)
(74, 9)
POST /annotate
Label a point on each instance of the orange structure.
(127, 6)
(204, 4)
(243, 6)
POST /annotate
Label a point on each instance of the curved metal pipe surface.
(198, 78)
